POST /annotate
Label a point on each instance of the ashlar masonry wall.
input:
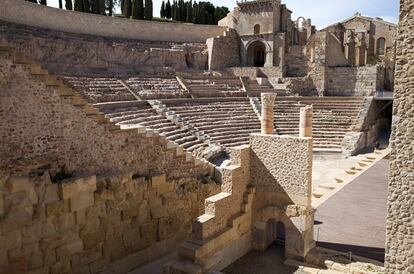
(400, 220)
(127, 199)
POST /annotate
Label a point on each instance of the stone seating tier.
(149, 88)
(228, 123)
(98, 90)
(142, 114)
(209, 86)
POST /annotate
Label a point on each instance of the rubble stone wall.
(224, 51)
(25, 13)
(79, 54)
(400, 220)
(282, 164)
(42, 129)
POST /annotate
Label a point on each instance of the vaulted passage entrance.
(256, 54)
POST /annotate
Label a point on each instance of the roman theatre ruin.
(184, 148)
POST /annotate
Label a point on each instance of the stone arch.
(381, 46)
(300, 21)
(257, 51)
(257, 29)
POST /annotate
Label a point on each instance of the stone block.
(17, 184)
(41, 270)
(1, 204)
(64, 222)
(92, 239)
(17, 218)
(36, 260)
(165, 188)
(73, 187)
(130, 262)
(51, 194)
(149, 231)
(57, 208)
(69, 249)
(11, 240)
(86, 257)
(84, 200)
(158, 180)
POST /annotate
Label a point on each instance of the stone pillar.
(305, 122)
(268, 102)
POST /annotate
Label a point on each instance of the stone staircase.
(134, 116)
(254, 89)
(333, 117)
(222, 233)
(215, 86)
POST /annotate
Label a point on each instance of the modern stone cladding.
(400, 220)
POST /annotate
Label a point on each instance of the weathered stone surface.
(82, 201)
(71, 188)
(400, 220)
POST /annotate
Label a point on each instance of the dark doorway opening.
(257, 54)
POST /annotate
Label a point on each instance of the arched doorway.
(257, 54)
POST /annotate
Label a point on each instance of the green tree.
(60, 4)
(137, 9)
(141, 10)
(168, 13)
(43, 2)
(162, 11)
(33, 1)
(148, 11)
(127, 8)
(110, 6)
(189, 18)
(68, 4)
(79, 5)
(86, 6)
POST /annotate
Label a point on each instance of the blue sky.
(322, 12)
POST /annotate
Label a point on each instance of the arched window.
(257, 29)
(381, 46)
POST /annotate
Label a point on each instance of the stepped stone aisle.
(255, 89)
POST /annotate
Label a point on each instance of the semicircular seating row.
(226, 121)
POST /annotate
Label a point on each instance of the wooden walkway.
(353, 220)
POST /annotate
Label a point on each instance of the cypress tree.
(189, 18)
(162, 11)
(134, 9)
(68, 4)
(79, 5)
(168, 13)
(148, 10)
(122, 6)
(33, 1)
(141, 9)
(60, 4)
(43, 2)
(173, 10)
(195, 12)
(127, 8)
(94, 6)
(86, 6)
(102, 7)
(110, 7)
